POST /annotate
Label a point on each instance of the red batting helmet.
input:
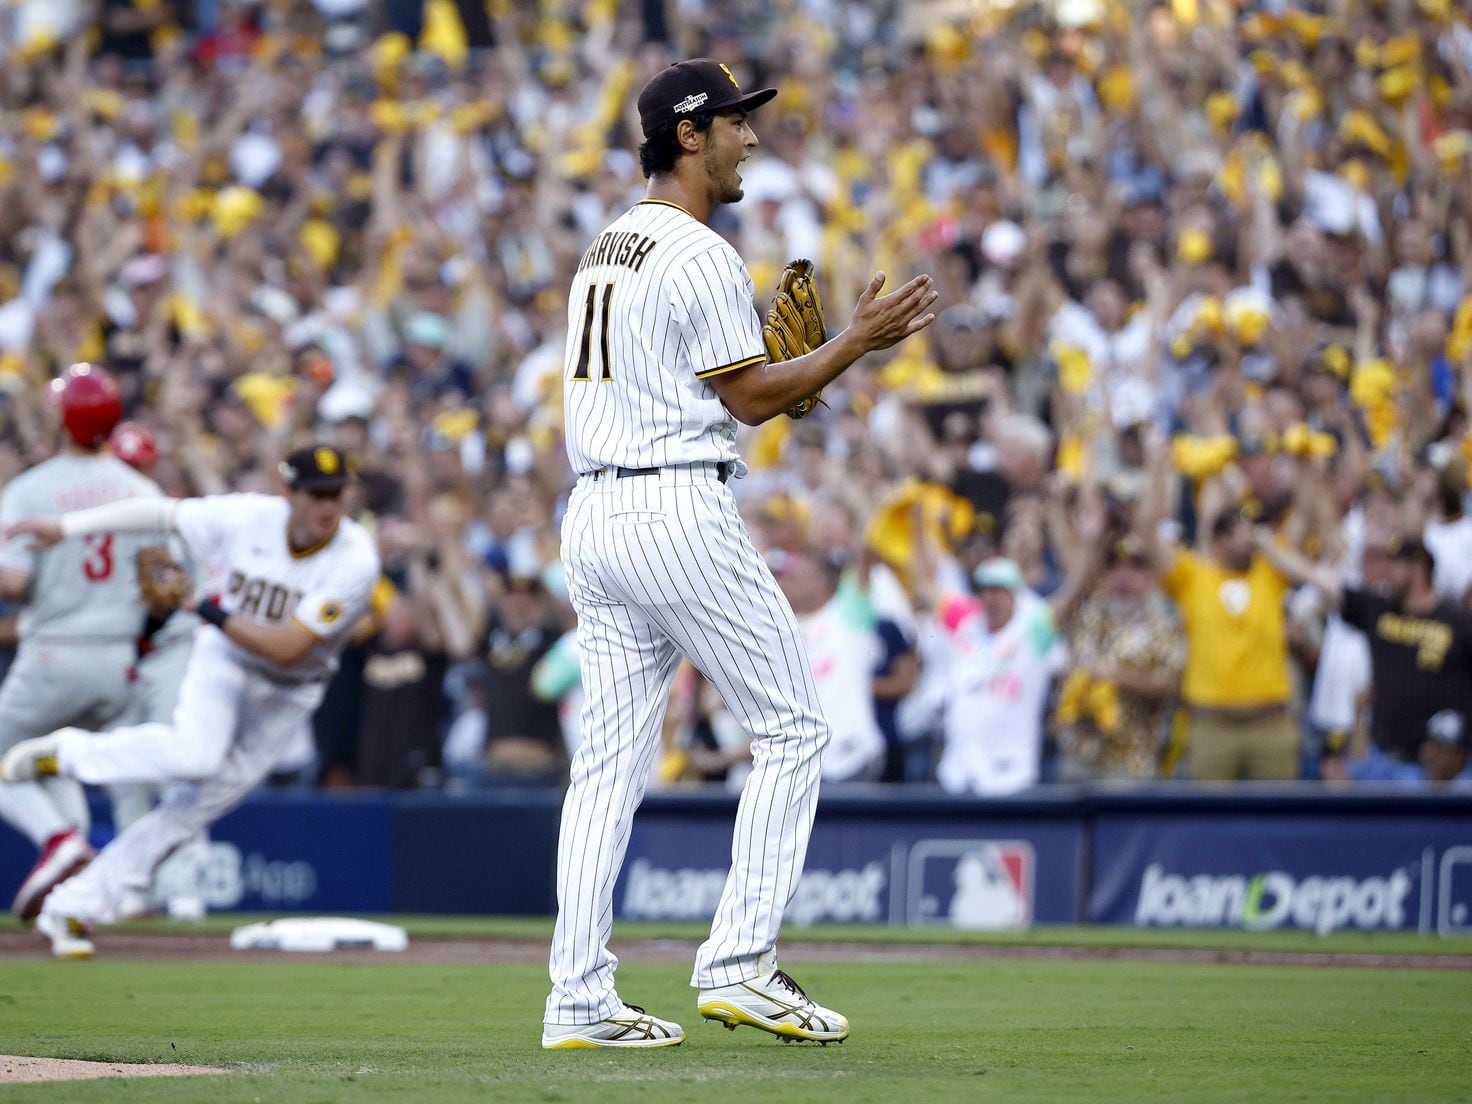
(89, 404)
(135, 446)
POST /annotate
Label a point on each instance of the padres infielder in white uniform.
(664, 346)
(298, 576)
(78, 628)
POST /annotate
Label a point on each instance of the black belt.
(724, 468)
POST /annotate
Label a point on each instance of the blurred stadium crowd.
(1207, 276)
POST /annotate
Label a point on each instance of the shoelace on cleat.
(781, 978)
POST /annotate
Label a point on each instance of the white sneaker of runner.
(64, 855)
(68, 937)
(629, 1027)
(775, 1003)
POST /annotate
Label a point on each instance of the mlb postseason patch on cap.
(686, 87)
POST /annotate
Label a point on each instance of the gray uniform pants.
(54, 683)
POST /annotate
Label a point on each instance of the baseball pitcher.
(665, 352)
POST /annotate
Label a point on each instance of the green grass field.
(962, 1030)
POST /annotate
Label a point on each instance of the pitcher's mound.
(16, 1070)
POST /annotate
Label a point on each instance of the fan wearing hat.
(665, 354)
(1001, 665)
(1420, 649)
(1128, 654)
(81, 615)
(295, 576)
(1446, 753)
(1236, 678)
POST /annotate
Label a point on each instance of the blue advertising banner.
(17, 854)
(489, 853)
(1155, 857)
(303, 854)
(277, 853)
(1322, 874)
(975, 873)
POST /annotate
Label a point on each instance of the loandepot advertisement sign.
(654, 892)
(1269, 874)
(908, 872)
(1274, 899)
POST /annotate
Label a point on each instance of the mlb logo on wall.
(978, 884)
(1454, 901)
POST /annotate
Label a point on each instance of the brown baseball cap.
(687, 87)
(315, 468)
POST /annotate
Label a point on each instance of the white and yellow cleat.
(775, 1003)
(31, 759)
(68, 936)
(629, 1027)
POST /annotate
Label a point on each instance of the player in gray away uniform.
(79, 626)
(664, 353)
(298, 575)
(158, 673)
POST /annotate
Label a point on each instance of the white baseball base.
(319, 934)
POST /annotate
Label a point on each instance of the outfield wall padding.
(1254, 857)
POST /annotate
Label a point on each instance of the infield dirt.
(174, 944)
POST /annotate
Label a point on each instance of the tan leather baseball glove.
(794, 324)
(163, 583)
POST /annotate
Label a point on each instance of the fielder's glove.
(794, 324)
(163, 583)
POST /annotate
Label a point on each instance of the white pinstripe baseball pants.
(660, 566)
(230, 727)
(160, 678)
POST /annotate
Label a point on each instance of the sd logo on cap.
(315, 468)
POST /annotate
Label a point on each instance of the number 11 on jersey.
(585, 349)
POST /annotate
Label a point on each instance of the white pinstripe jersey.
(659, 305)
